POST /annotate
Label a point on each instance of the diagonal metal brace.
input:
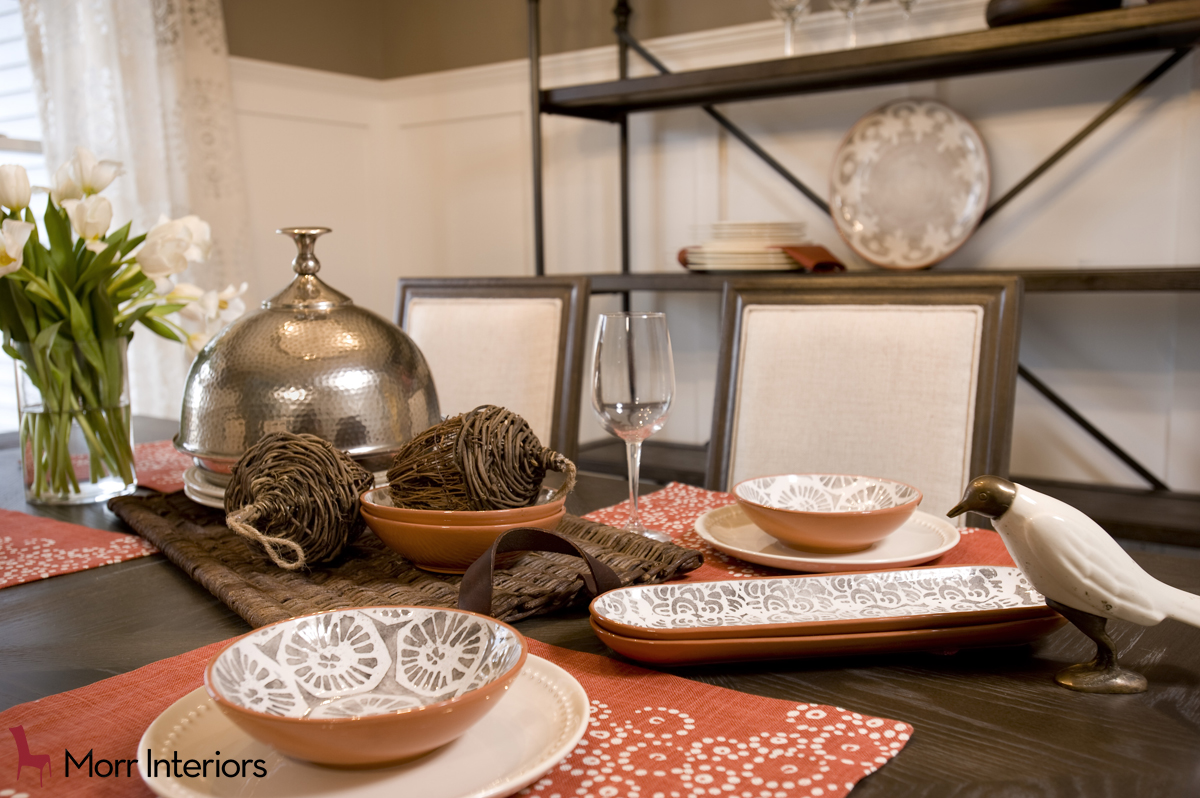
(1124, 456)
(629, 41)
(1117, 104)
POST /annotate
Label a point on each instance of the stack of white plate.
(208, 487)
(747, 246)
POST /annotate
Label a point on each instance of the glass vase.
(76, 440)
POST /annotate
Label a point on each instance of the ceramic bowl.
(365, 687)
(378, 502)
(443, 548)
(827, 512)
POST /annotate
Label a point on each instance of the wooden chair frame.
(998, 295)
(574, 293)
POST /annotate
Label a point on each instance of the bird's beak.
(959, 508)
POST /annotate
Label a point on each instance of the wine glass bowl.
(789, 12)
(633, 383)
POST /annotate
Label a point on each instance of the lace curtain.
(146, 82)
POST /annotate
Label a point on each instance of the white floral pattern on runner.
(826, 493)
(757, 602)
(341, 663)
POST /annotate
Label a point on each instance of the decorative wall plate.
(922, 538)
(815, 605)
(910, 184)
(543, 716)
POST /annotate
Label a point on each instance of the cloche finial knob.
(306, 241)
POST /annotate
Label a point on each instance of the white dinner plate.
(922, 538)
(200, 482)
(537, 724)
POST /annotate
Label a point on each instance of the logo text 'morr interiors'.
(173, 767)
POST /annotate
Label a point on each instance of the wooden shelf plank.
(1160, 26)
(1036, 280)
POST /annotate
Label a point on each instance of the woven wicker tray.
(369, 574)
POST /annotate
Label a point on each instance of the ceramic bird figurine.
(1083, 573)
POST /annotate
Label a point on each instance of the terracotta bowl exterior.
(833, 513)
(357, 688)
(378, 502)
(447, 549)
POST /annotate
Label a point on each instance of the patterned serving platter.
(825, 604)
(740, 649)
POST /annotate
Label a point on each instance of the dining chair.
(911, 377)
(25, 758)
(517, 342)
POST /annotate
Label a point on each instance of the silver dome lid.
(309, 361)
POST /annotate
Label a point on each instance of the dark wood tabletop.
(989, 722)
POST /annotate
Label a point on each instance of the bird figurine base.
(1091, 677)
(1102, 674)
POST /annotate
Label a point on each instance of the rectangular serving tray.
(821, 604)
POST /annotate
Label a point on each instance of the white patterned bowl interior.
(827, 512)
(394, 670)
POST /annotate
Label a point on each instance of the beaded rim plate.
(922, 538)
(909, 184)
(541, 719)
(917, 598)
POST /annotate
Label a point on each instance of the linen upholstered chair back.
(910, 377)
(516, 342)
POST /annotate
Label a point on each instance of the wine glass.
(850, 9)
(906, 7)
(789, 12)
(633, 382)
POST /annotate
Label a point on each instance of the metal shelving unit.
(1166, 26)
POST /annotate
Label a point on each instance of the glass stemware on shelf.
(850, 9)
(633, 383)
(789, 12)
(906, 7)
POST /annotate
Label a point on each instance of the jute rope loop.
(487, 459)
(297, 496)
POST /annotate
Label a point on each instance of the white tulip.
(92, 176)
(208, 314)
(13, 234)
(163, 253)
(90, 217)
(201, 246)
(14, 187)
(65, 188)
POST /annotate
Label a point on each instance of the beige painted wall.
(395, 38)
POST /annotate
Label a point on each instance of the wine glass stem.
(853, 33)
(789, 36)
(633, 455)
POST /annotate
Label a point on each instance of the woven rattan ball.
(487, 459)
(296, 495)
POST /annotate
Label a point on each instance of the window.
(20, 143)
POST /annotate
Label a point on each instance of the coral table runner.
(32, 547)
(648, 734)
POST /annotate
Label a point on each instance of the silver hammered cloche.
(309, 361)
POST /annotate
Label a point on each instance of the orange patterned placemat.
(649, 734)
(675, 508)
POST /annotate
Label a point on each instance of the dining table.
(986, 721)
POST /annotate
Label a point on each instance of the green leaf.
(84, 335)
(126, 325)
(118, 237)
(167, 308)
(46, 337)
(98, 270)
(58, 232)
(129, 245)
(159, 328)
